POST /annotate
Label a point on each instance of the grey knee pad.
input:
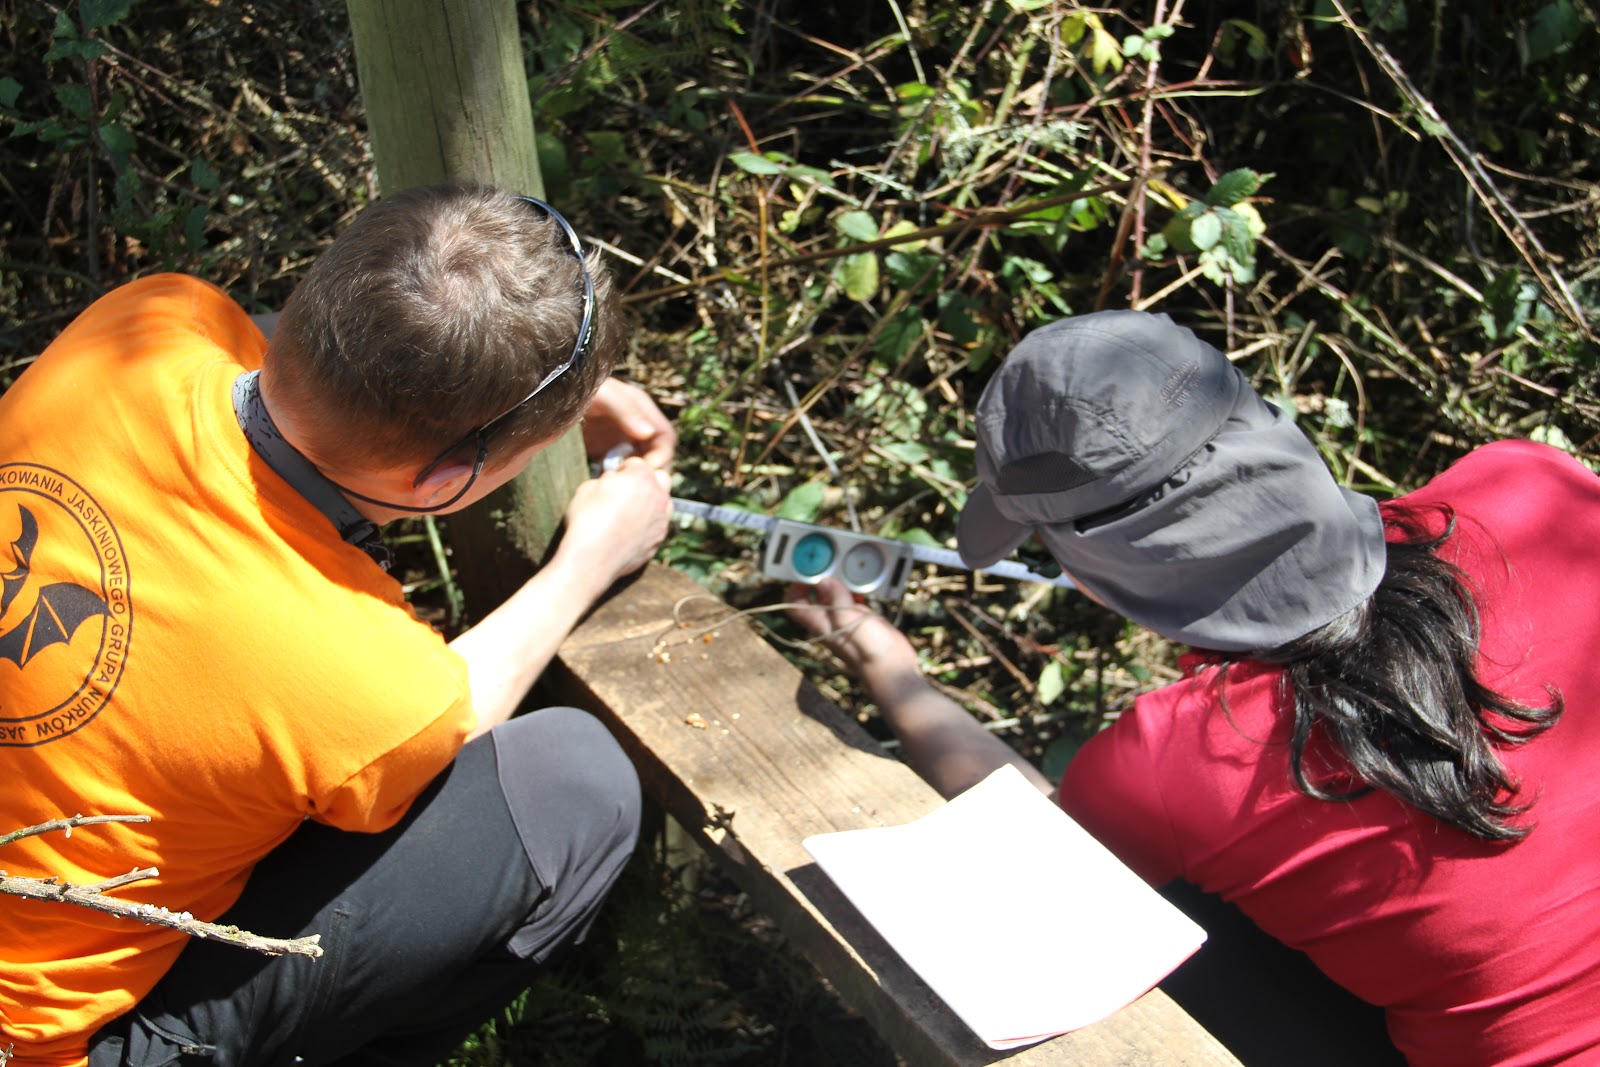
(574, 798)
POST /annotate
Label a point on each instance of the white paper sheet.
(1025, 925)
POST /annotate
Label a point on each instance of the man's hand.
(624, 414)
(616, 522)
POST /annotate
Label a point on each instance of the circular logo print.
(66, 615)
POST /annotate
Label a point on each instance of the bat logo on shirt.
(61, 608)
(63, 570)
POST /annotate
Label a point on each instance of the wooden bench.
(751, 759)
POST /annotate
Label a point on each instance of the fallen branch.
(92, 895)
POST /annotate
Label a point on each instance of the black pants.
(1266, 1002)
(427, 929)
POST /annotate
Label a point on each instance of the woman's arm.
(941, 740)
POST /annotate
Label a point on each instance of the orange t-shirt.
(181, 636)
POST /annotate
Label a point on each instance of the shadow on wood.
(751, 759)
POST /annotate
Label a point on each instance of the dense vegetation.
(832, 219)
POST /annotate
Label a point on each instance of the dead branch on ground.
(92, 895)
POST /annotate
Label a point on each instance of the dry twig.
(92, 895)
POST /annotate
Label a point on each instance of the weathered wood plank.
(732, 741)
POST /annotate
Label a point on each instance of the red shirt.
(1481, 953)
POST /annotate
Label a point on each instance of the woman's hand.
(624, 414)
(939, 738)
(868, 643)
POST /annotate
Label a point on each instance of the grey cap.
(1166, 486)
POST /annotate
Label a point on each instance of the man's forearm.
(512, 646)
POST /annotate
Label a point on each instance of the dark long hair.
(1394, 686)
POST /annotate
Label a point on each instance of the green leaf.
(958, 317)
(125, 189)
(804, 502)
(1257, 48)
(751, 163)
(1052, 683)
(1105, 52)
(609, 146)
(1133, 44)
(906, 269)
(1237, 240)
(1216, 266)
(918, 536)
(896, 406)
(1431, 126)
(858, 274)
(10, 89)
(1387, 15)
(204, 175)
(553, 165)
(23, 129)
(1073, 27)
(858, 225)
(98, 14)
(194, 227)
(118, 142)
(1551, 30)
(1551, 435)
(909, 451)
(73, 49)
(899, 334)
(114, 106)
(75, 98)
(900, 229)
(801, 174)
(1029, 271)
(1205, 231)
(1234, 186)
(1057, 754)
(1507, 303)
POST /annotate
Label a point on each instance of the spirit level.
(878, 567)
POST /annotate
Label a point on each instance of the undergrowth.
(678, 971)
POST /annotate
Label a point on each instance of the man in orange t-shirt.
(196, 624)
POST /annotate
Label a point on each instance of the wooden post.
(447, 97)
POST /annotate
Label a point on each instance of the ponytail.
(1394, 686)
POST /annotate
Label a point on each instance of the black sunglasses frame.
(580, 352)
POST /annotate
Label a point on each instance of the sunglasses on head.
(580, 352)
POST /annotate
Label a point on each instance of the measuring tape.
(878, 567)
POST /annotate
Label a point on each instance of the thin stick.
(92, 896)
(66, 825)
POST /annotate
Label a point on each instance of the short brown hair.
(439, 308)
